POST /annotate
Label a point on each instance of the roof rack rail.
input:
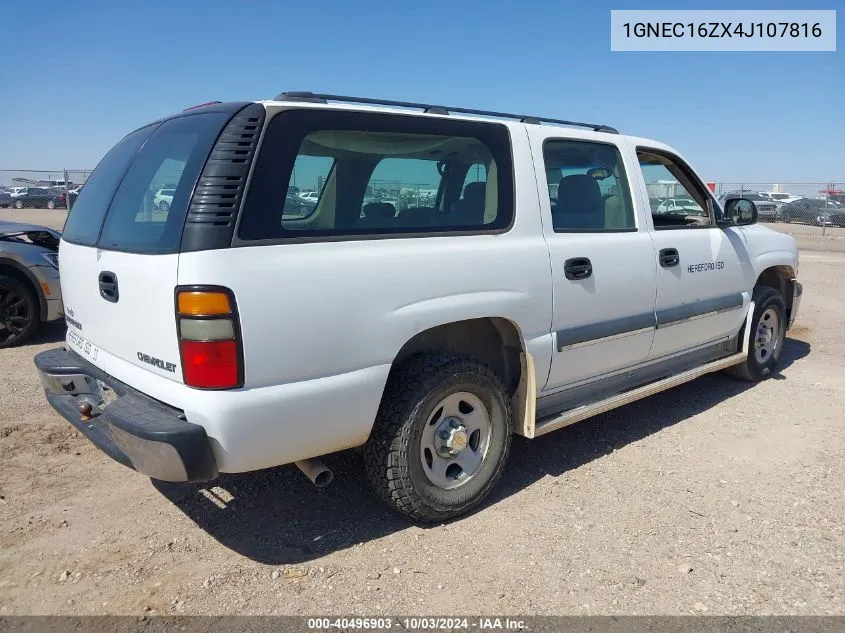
(312, 97)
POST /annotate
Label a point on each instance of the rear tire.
(164, 205)
(19, 312)
(409, 461)
(768, 330)
(51, 204)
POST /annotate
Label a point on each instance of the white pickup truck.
(521, 284)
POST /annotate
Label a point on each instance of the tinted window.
(587, 185)
(84, 221)
(377, 174)
(174, 154)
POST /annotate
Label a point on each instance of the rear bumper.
(130, 427)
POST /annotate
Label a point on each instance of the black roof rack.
(311, 97)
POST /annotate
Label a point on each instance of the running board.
(587, 411)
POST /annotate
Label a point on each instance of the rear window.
(84, 221)
(119, 196)
(377, 174)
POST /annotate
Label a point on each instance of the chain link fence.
(41, 189)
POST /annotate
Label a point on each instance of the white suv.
(163, 199)
(534, 289)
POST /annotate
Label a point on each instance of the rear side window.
(588, 187)
(173, 155)
(378, 174)
(84, 221)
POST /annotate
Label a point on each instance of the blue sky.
(79, 75)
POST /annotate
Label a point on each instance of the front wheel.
(18, 312)
(51, 204)
(441, 437)
(768, 329)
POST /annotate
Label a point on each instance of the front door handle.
(577, 268)
(108, 286)
(669, 257)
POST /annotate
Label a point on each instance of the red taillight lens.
(210, 364)
(209, 337)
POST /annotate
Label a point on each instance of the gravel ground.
(714, 498)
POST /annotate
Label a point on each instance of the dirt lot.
(713, 498)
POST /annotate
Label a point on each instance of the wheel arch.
(498, 342)
(777, 277)
(781, 277)
(11, 268)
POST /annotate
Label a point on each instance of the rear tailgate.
(119, 256)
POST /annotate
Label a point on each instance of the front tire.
(441, 437)
(768, 329)
(18, 204)
(18, 312)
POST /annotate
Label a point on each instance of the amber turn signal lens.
(203, 303)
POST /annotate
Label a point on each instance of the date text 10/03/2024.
(417, 623)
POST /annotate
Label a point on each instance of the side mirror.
(739, 212)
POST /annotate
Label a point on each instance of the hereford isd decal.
(705, 267)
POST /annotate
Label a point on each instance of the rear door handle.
(108, 286)
(577, 268)
(669, 257)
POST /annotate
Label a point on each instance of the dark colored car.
(30, 288)
(41, 198)
(813, 211)
(5, 199)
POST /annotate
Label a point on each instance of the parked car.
(767, 210)
(310, 196)
(40, 198)
(17, 191)
(809, 210)
(296, 206)
(164, 198)
(677, 205)
(5, 199)
(779, 197)
(240, 337)
(30, 291)
(832, 215)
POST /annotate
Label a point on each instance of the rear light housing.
(209, 337)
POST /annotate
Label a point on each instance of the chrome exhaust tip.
(319, 474)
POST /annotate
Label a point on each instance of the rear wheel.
(18, 204)
(51, 204)
(164, 205)
(768, 329)
(441, 438)
(18, 312)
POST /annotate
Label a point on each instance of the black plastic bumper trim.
(148, 422)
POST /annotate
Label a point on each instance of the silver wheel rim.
(767, 339)
(455, 441)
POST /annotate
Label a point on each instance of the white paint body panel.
(323, 321)
(141, 321)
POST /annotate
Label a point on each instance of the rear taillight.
(209, 337)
